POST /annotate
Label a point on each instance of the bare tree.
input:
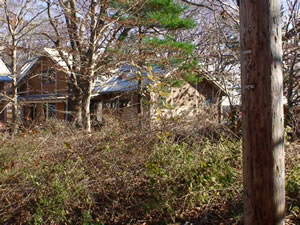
(19, 20)
(83, 32)
(217, 40)
(291, 59)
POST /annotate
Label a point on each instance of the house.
(43, 91)
(43, 87)
(5, 79)
(127, 96)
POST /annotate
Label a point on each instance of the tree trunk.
(74, 105)
(140, 105)
(86, 116)
(262, 95)
(15, 119)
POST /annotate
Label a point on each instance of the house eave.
(43, 98)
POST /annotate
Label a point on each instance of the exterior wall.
(123, 107)
(26, 113)
(32, 112)
(213, 99)
(185, 102)
(2, 87)
(60, 109)
(188, 101)
(4, 107)
(38, 111)
(45, 78)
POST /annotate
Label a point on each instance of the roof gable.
(51, 53)
(55, 56)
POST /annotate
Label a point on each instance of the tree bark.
(262, 108)
(15, 119)
(74, 104)
(86, 117)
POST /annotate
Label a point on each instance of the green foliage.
(171, 21)
(293, 183)
(154, 13)
(293, 190)
(177, 83)
(167, 14)
(187, 69)
(59, 188)
(166, 6)
(192, 173)
(170, 44)
(189, 65)
(192, 78)
(163, 15)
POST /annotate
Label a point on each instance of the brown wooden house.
(43, 88)
(5, 81)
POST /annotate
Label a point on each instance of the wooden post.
(263, 133)
(99, 112)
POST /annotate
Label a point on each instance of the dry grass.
(56, 174)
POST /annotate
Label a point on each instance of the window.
(208, 102)
(49, 110)
(117, 103)
(48, 76)
(112, 104)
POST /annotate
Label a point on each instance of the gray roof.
(125, 80)
(26, 68)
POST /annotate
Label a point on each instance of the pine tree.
(151, 28)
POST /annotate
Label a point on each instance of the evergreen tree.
(150, 31)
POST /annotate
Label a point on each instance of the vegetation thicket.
(55, 174)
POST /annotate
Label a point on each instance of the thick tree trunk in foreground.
(263, 134)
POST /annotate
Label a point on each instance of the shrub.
(56, 174)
